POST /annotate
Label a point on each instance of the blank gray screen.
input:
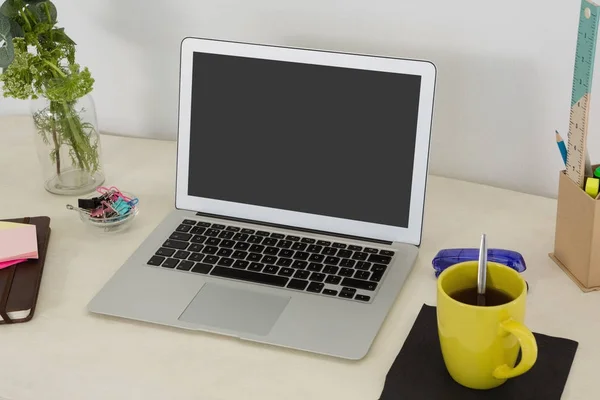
(316, 139)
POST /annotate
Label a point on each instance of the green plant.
(38, 60)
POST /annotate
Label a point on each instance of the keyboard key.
(156, 260)
(347, 294)
(315, 287)
(313, 248)
(331, 260)
(362, 275)
(233, 228)
(197, 230)
(226, 234)
(180, 236)
(315, 267)
(363, 265)
(256, 267)
(286, 253)
(346, 272)
(254, 257)
(218, 226)
(182, 255)
(271, 269)
(165, 252)
(387, 253)
(308, 240)
(380, 259)
(330, 292)
(344, 253)
(226, 262)
(347, 263)
(284, 262)
(355, 248)
(376, 267)
(301, 255)
(198, 239)
(224, 252)
(297, 284)
(333, 279)
(202, 268)
(299, 246)
(362, 297)
(204, 224)
(176, 244)
(227, 243)
(248, 231)
(329, 251)
(270, 242)
(358, 284)
(254, 239)
(185, 265)
(269, 259)
(338, 245)
(183, 228)
(239, 254)
(256, 248)
(277, 235)
(212, 232)
(241, 236)
(213, 241)
(170, 263)
(376, 276)
(330, 269)
(196, 257)
(271, 251)
(284, 244)
(241, 246)
(371, 250)
(249, 276)
(286, 272)
(211, 259)
(210, 250)
(317, 277)
(195, 247)
(189, 222)
(323, 243)
(301, 274)
(292, 238)
(241, 264)
(262, 233)
(316, 257)
(360, 256)
(299, 264)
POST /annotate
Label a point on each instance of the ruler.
(581, 92)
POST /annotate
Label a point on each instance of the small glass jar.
(68, 145)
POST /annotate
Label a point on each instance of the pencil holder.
(577, 237)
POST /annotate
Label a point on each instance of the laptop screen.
(324, 140)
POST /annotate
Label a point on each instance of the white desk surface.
(67, 353)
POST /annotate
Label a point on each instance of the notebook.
(17, 242)
(20, 283)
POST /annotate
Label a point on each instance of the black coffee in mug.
(493, 297)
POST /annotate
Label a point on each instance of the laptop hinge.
(295, 228)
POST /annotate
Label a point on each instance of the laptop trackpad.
(234, 309)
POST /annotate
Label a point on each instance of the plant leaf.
(7, 49)
(43, 10)
(15, 29)
(32, 1)
(9, 8)
(60, 36)
(4, 26)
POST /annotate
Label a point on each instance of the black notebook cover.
(419, 371)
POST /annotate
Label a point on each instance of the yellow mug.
(480, 344)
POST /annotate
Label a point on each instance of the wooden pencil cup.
(577, 238)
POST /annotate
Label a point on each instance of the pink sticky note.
(7, 264)
(17, 241)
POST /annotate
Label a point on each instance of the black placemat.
(419, 371)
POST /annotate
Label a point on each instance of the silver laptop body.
(301, 181)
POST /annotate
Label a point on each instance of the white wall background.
(504, 83)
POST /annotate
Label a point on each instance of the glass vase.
(68, 145)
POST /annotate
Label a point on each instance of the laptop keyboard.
(286, 261)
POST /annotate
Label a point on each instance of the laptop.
(300, 186)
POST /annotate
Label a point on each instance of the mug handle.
(529, 350)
